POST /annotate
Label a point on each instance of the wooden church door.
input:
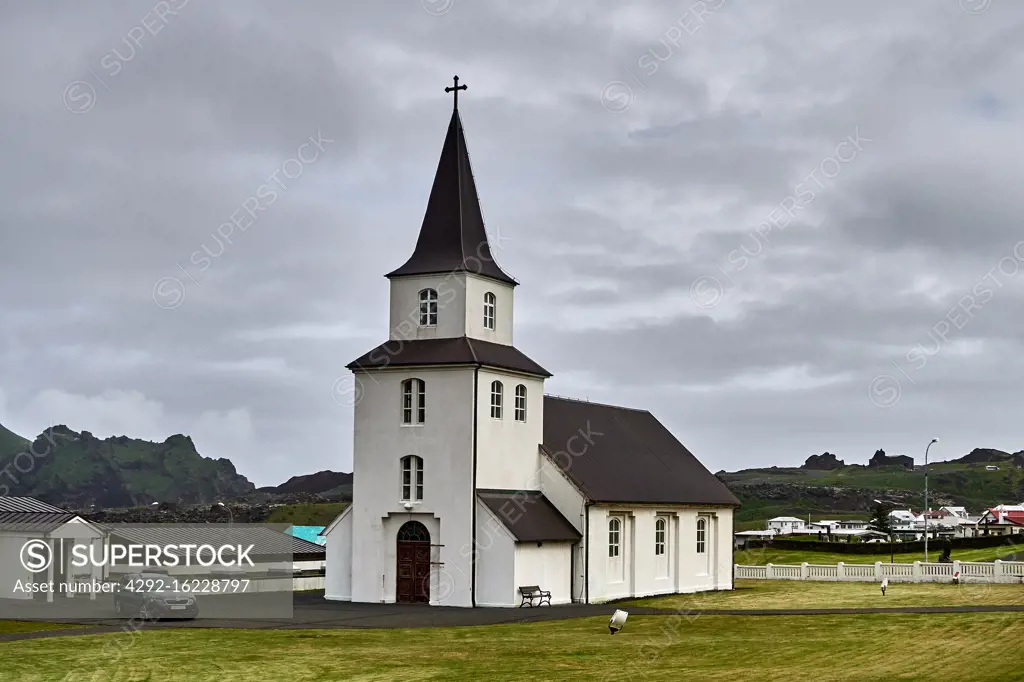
(413, 581)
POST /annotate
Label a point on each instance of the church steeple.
(452, 236)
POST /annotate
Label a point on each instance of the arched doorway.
(413, 582)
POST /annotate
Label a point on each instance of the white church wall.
(653, 574)
(547, 565)
(565, 497)
(713, 569)
(451, 306)
(445, 443)
(568, 500)
(610, 577)
(725, 549)
(507, 454)
(639, 572)
(504, 295)
(338, 576)
(496, 560)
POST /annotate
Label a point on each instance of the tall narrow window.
(490, 302)
(414, 401)
(613, 538)
(428, 308)
(421, 401)
(496, 390)
(412, 478)
(702, 526)
(659, 537)
(520, 403)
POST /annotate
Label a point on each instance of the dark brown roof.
(29, 514)
(528, 515)
(454, 351)
(617, 454)
(452, 236)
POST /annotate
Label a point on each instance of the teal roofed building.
(308, 533)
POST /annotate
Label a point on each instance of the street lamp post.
(231, 517)
(930, 444)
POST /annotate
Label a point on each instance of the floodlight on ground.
(617, 621)
(885, 584)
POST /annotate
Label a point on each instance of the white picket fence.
(917, 572)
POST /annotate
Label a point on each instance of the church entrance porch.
(413, 575)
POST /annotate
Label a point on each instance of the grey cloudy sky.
(783, 227)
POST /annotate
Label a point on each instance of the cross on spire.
(456, 89)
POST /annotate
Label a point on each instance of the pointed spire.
(452, 237)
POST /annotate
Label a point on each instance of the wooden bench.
(530, 593)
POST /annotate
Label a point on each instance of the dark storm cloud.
(622, 153)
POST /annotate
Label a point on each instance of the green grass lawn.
(806, 594)
(760, 557)
(976, 647)
(11, 626)
(307, 514)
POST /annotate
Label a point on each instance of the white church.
(470, 483)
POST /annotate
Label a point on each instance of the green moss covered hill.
(77, 470)
(11, 442)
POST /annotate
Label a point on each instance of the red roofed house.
(1002, 520)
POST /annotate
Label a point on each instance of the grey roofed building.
(268, 542)
(529, 516)
(29, 514)
(619, 454)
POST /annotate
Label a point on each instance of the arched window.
(490, 303)
(520, 403)
(496, 390)
(413, 531)
(613, 537)
(702, 526)
(414, 401)
(412, 478)
(659, 536)
(428, 308)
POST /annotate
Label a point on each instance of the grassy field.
(765, 555)
(307, 514)
(706, 648)
(789, 594)
(11, 626)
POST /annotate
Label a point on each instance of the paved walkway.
(311, 611)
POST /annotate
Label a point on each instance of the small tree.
(881, 522)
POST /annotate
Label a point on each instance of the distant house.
(991, 467)
(741, 538)
(785, 525)
(825, 525)
(956, 512)
(902, 517)
(1003, 519)
(309, 534)
(851, 524)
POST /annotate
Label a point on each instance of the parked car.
(874, 540)
(151, 596)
